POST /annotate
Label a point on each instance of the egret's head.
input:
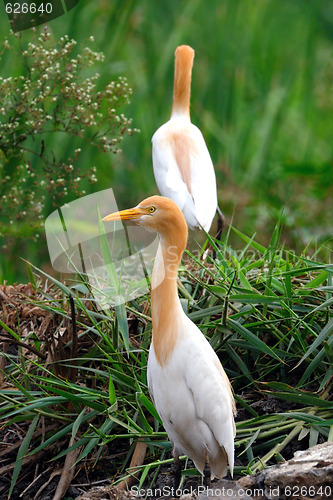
(155, 214)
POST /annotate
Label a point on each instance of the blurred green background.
(261, 95)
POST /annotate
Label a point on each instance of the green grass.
(268, 314)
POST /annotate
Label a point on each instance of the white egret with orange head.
(183, 168)
(186, 381)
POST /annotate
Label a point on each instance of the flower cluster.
(54, 96)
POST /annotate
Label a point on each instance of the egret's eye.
(151, 209)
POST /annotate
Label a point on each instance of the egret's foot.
(220, 226)
(177, 474)
(177, 471)
(206, 472)
(220, 223)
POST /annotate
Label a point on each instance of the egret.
(186, 381)
(182, 165)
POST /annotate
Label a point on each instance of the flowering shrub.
(54, 95)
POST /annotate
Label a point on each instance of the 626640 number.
(308, 491)
(25, 8)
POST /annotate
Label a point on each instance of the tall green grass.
(267, 312)
(261, 94)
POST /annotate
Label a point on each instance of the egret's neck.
(166, 309)
(182, 88)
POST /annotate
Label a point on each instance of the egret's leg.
(176, 469)
(220, 226)
(206, 471)
(220, 223)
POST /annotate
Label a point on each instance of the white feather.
(198, 203)
(192, 395)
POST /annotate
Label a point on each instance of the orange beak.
(129, 214)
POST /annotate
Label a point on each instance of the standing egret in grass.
(187, 383)
(182, 165)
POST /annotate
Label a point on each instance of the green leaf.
(304, 398)
(254, 298)
(85, 400)
(112, 391)
(308, 418)
(251, 441)
(318, 280)
(22, 453)
(244, 404)
(149, 406)
(145, 422)
(123, 324)
(253, 243)
(244, 281)
(67, 291)
(9, 330)
(326, 331)
(252, 339)
(76, 424)
(63, 432)
(105, 428)
(239, 362)
(38, 405)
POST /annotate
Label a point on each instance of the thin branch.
(22, 344)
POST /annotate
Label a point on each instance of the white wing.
(168, 175)
(193, 398)
(184, 171)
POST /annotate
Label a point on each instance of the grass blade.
(22, 453)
